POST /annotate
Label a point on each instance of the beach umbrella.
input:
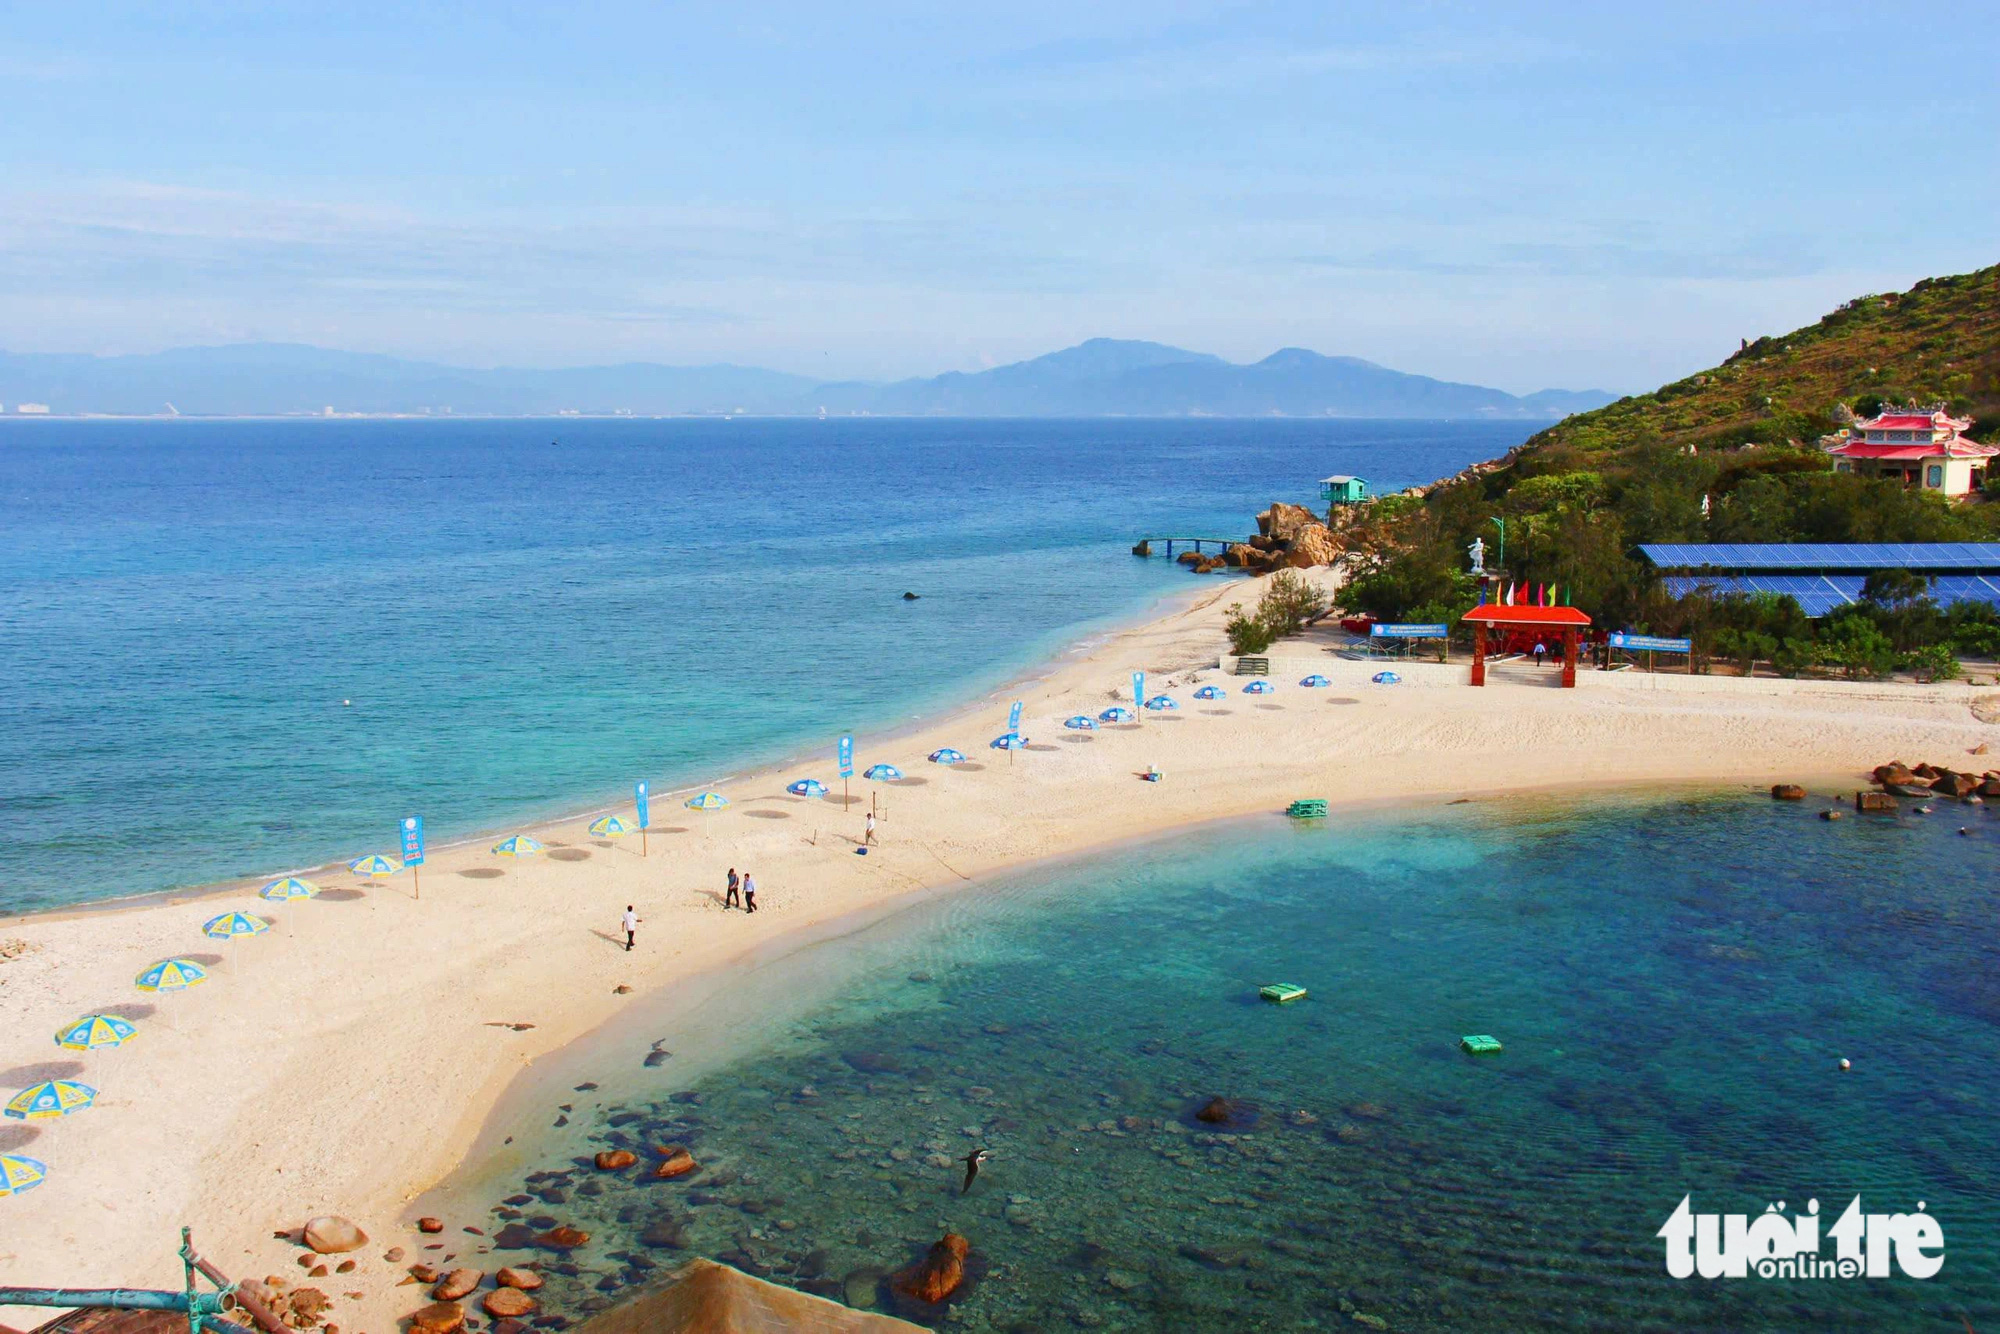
(520, 845)
(1160, 703)
(947, 756)
(1386, 679)
(1259, 687)
(1209, 692)
(291, 887)
(234, 924)
(807, 787)
(1011, 741)
(706, 801)
(375, 868)
(171, 975)
(1117, 713)
(1315, 681)
(882, 773)
(46, 1101)
(609, 826)
(19, 1173)
(96, 1030)
(1080, 723)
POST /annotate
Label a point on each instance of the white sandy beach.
(344, 1062)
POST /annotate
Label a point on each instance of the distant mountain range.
(1101, 377)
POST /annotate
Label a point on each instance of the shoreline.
(358, 1052)
(535, 826)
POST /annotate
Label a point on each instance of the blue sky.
(1518, 195)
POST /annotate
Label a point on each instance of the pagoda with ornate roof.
(1921, 449)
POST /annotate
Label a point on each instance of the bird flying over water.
(972, 1162)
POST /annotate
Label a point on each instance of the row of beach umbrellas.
(53, 1099)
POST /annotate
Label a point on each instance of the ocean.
(1674, 979)
(237, 648)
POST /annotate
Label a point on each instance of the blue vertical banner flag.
(1138, 690)
(413, 840)
(639, 803)
(1014, 717)
(846, 749)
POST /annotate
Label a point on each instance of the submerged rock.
(562, 1238)
(612, 1160)
(508, 1303)
(938, 1274)
(438, 1318)
(458, 1283)
(675, 1161)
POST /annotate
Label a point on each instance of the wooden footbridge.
(1144, 546)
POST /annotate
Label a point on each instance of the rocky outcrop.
(1313, 545)
(331, 1234)
(938, 1274)
(1283, 522)
(709, 1298)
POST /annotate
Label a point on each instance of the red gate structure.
(1566, 622)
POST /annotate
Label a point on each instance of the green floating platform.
(1479, 1044)
(1308, 808)
(1282, 992)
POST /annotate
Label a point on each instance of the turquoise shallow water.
(528, 616)
(1675, 979)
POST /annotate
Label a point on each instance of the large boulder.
(938, 1274)
(1954, 784)
(438, 1318)
(331, 1234)
(709, 1298)
(1313, 545)
(1283, 521)
(527, 1280)
(458, 1283)
(1874, 801)
(1787, 792)
(1235, 555)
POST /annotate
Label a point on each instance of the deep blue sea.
(527, 616)
(1674, 978)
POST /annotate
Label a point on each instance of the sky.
(1520, 195)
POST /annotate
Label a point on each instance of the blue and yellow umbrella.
(609, 826)
(706, 801)
(234, 924)
(375, 868)
(806, 787)
(19, 1173)
(50, 1099)
(96, 1030)
(172, 975)
(520, 845)
(291, 887)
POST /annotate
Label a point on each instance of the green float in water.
(1479, 1044)
(1282, 992)
(1307, 808)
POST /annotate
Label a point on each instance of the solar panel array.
(1864, 556)
(1819, 594)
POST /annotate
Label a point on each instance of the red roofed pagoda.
(1926, 450)
(1565, 622)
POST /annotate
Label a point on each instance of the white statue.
(1478, 549)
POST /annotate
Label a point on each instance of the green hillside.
(1729, 455)
(1938, 342)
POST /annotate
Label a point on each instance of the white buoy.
(1844, 1064)
(347, 704)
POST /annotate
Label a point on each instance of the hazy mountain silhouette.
(1101, 377)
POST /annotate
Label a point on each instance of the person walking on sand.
(1541, 651)
(730, 900)
(749, 893)
(630, 921)
(868, 835)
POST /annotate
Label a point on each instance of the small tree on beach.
(1247, 633)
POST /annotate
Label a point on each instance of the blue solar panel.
(1819, 594)
(1960, 556)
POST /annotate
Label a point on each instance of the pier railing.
(1144, 546)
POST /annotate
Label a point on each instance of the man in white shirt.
(631, 924)
(868, 836)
